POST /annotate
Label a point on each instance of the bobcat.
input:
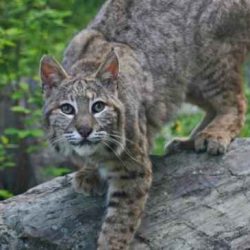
(125, 76)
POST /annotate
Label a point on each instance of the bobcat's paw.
(178, 145)
(88, 183)
(212, 142)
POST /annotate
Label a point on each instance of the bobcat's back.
(192, 48)
(157, 54)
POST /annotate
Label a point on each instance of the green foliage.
(55, 171)
(6, 160)
(5, 194)
(29, 29)
(181, 127)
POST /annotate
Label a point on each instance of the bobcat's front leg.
(88, 181)
(128, 192)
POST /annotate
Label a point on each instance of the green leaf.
(4, 139)
(20, 109)
(55, 171)
(24, 86)
(11, 131)
(5, 194)
(22, 134)
(8, 164)
(36, 133)
(13, 32)
(17, 95)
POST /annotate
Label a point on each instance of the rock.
(197, 201)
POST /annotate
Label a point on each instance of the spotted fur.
(143, 59)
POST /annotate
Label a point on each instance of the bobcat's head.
(83, 114)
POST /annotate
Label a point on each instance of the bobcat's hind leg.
(88, 181)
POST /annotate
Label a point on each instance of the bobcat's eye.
(98, 107)
(67, 109)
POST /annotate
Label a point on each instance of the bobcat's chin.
(86, 149)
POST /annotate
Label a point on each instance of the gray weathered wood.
(196, 202)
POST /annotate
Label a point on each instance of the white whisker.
(106, 144)
(112, 140)
(56, 140)
(119, 137)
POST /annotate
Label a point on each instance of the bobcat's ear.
(109, 69)
(51, 73)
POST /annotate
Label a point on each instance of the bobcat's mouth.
(85, 147)
(84, 142)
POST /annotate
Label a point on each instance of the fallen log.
(197, 201)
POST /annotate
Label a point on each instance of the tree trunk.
(197, 201)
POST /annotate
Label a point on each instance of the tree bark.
(197, 201)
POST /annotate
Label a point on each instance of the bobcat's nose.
(85, 131)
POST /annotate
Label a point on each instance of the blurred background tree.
(29, 29)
